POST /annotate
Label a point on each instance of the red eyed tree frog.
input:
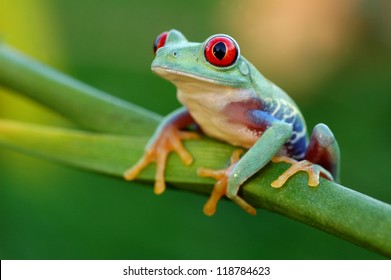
(230, 100)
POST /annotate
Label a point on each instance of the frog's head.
(217, 60)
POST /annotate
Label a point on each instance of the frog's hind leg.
(323, 150)
(321, 159)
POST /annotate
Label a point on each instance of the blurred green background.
(333, 57)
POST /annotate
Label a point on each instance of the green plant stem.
(329, 207)
(85, 105)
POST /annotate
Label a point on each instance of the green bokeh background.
(48, 211)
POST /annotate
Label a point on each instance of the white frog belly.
(207, 108)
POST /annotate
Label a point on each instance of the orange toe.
(313, 170)
(170, 140)
(220, 187)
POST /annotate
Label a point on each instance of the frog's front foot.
(220, 187)
(169, 140)
(313, 170)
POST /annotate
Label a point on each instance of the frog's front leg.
(166, 138)
(270, 142)
(257, 157)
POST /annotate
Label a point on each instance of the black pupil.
(219, 50)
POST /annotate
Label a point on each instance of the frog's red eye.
(221, 51)
(159, 41)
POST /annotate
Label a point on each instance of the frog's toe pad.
(132, 173)
(220, 187)
(170, 140)
(313, 171)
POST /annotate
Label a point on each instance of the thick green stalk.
(329, 207)
(85, 105)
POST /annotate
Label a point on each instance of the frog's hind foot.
(220, 187)
(321, 159)
(323, 150)
(313, 170)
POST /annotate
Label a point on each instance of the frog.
(226, 98)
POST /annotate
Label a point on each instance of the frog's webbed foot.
(313, 170)
(321, 159)
(220, 187)
(169, 140)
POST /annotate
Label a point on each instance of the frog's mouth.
(177, 76)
